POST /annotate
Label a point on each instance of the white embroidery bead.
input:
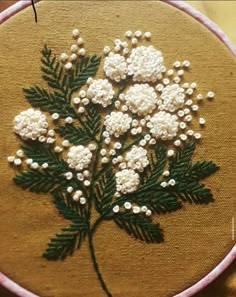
(82, 52)
(210, 95)
(148, 213)
(75, 33)
(69, 189)
(69, 120)
(17, 161)
(170, 153)
(87, 183)
(166, 173)
(45, 165)
(127, 205)
(136, 209)
(20, 153)
(68, 66)
(116, 209)
(55, 116)
(82, 200)
(171, 182)
(144, 208)
(197, 135)
(147, 35)
(63, 57)
(10, 159)
(68, 175)
(34, 165)
(202, 121)
(74, 48)
(80, 41)
(164, 184)
(128, 34)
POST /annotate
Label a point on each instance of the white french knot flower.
(127, 181)
(30, 124)
(117, 123)
(172, 98)
(137, 158)
(115, 67)
(79, 157)
(141, 99)
(100, 92)
(163, 125)
(145, 64)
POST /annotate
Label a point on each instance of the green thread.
(100, 194)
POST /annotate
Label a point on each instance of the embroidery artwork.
(119, 145)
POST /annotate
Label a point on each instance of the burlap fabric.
(197, 237)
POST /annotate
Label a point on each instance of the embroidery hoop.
(211, 276)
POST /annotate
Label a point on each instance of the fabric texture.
(196, 238)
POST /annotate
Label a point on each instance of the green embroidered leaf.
(182, 159)
(53, 102)
(90, 124)
(64, 243)
(193, 192)
(155, 168)
(53, 72)
(92, 119)
(75, 135)
(38, 181)
(200, 170)
(105, 190)
(70, 238)
(140, 227)
(40, 153)
(66, 206)
(85, 68)
(158, 201)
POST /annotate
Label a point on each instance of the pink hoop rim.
(13, 287)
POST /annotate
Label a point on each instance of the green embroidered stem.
(95, 265)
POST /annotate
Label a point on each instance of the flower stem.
(95, 265)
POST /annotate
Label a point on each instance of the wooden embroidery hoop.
(21, 292)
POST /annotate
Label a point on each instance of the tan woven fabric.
(196, 238)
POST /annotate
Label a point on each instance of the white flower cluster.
(115, 67)
(145, 64)
(163, 125)
(141, 99)
(30, 124)
(117, 123)
(173, 98)
(79, 157)
(100, 92)
(137, 158)
(127, 181)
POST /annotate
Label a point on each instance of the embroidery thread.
(129, 153)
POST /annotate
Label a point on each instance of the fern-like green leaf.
(53, 102)
(53, 72)
(154, 170)
(40, 153)
(71, 237)
(105, 190)
(182, 159)
(193, 192)
(200, 170)
(139, 227)
(85, 68)
(158, 201)
(75, 135)
(64, 243)
(38, 181)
